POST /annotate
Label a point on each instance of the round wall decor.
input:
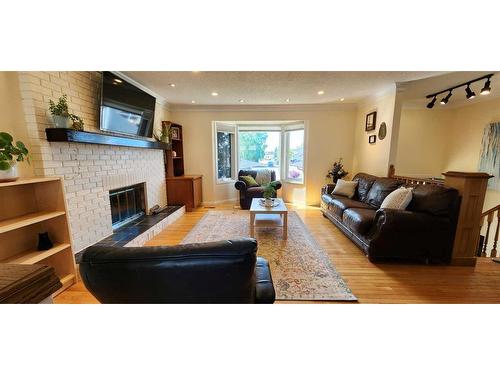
(382, 131)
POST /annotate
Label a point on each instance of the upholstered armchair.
(248, 193)
(214, 272)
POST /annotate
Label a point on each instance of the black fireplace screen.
(127, 204)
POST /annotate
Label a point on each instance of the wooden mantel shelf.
(71, 135)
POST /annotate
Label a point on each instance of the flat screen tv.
(125, 108)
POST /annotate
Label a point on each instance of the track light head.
(469, 93)
(486, 89)
(446, 98)
(431, 103)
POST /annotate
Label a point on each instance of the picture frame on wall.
(175, 133)
(372, 139)
(371, 119)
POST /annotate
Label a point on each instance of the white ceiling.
(270, 88)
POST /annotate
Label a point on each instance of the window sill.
(225, 182)
(293, 182)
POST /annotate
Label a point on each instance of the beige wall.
(374, 158)
(12, 120)
(329, 135)
(422, 143)
(464, 145)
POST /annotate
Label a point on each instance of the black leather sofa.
(423, 232)
(216, 272)
(248, 193)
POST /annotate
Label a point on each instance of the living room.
(326, 189)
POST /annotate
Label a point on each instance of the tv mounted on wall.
(125, 108)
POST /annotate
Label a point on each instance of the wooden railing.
(413, 180)
(490, 216)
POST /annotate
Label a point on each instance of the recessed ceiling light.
(342, 99)
(117, 80)
(321, 92)
(193, 101)
(215, 93)
(171, 84)
(287, 100)
(241, 100)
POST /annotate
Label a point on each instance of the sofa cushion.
(359, 220)
(380, 189)
(399, 199)
(249, 181)
(345, 188)
(434, 200)
(338, 204)
(365, 182)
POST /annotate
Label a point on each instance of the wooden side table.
(185, 190)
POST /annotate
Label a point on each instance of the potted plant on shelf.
(269, 194)
(337, 172)
(164, 135)
(9, 156)
(60, 112)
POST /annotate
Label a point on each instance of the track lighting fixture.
(446, 98)
(469, 94)
(486, 89)
(431, 103)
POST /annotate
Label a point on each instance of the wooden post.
(472, 189)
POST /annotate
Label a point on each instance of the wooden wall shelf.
(71, 135)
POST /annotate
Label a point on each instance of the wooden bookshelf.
(29, 207)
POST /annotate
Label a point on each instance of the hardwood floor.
(371, 283)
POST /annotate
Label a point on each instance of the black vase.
(44, 242)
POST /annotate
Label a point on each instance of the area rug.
(300, 268)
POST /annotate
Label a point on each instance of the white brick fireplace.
(89, 171)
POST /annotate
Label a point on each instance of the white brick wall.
(89, 171)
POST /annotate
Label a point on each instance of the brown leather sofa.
(248, 193)
(423, 232)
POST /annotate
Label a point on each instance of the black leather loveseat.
(248, 193)
(423, 232)
(216, 272)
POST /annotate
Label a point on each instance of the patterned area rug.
(300, 268)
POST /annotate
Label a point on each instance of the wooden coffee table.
(268, 217)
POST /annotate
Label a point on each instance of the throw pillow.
(345, 188)
(249, 181)
(399, 199)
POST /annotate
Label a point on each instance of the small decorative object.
(337, 172)
(61, 116)
(269, 194)
(44, 242)
(77, 122)
(382, 131)
(371, 119)
(9, 156)
(175, 133)
(174, 154)
(165, 134)
(372, 139)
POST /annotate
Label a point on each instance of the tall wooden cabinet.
(181, 189)
(29, 207)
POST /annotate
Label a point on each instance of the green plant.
(166, 132)
(10, 153)
(61, 108)
(269, 190)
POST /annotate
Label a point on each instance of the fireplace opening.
(127, 204)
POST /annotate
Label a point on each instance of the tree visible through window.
(259, 150)
(224, 155)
